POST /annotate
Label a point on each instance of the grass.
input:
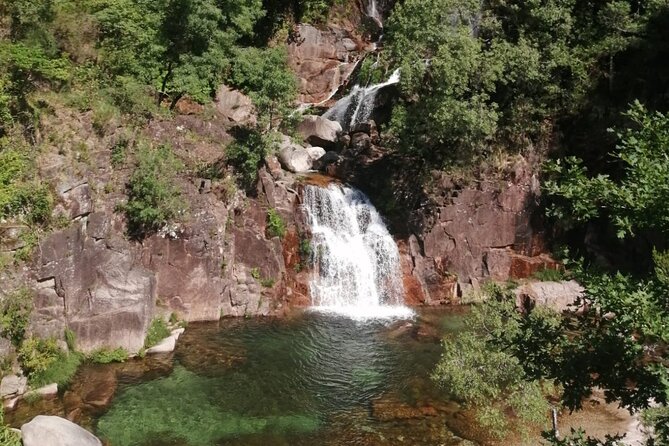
(60, 371)
(549, 275)
(107, 355)
(158, 330)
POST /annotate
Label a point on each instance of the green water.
(305, 380)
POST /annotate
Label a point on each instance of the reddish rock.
(323, 59)
(187, 106)
(385, 409)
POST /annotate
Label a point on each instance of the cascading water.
(356, 261)
(372, 11)
(358, 106)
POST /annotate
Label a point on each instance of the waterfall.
(372, 11)
(358, 105)
(356, 262)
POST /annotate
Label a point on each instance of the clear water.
(309, 380)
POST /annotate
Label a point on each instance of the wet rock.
(235, 105)
(360, 143)
(319, 131)
(56, 431)
(384, 409)
(13, 385)
(556, 295)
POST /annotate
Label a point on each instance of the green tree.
(265, 76)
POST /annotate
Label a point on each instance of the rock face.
(322, 60)
(56, 431)
(90, 279)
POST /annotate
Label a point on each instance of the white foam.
(368, 312)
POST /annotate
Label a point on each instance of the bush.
(158, 330)
(45, 363)
(153, 199)
(549, 275)
(107, 356)
(15, 314)
(70, 340)
(276, 227)
(246, 154)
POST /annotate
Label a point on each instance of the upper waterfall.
(359, 104)
(357, 264)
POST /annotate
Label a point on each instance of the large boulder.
(294, 157)
(13, 385)
(319, 131)
(55, 431)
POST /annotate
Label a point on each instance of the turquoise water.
(312, 379)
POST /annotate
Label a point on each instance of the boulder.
(315, 153)
(360, 143)
(235, 105)
(558, 296)
(55, 431)
(13, 385)
(167, 345)
(319, 131)
(293, 157)
(49, 390)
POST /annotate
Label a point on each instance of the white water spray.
(359, 104)
(357, 266)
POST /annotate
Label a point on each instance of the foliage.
(153, 198)
(7, 436)
(46, 363)
(247, 152)
(107, 355)
(477, 75)
(634, 202)
(476, 368)
(158, 330)
(177, 46)
(15, 311)
(265, 76)
(276, 227)
(577, 437)
(20, 195)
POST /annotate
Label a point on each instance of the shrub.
(246, 154)
(158, 331)
(107, 355)
(15, 314)
(276, 227)
(153, 199)
(549, 275)
(46, 363)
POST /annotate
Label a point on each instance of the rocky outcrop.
(295, 158)
(56, 431)
(323, 60)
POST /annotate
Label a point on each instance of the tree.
(264, 75)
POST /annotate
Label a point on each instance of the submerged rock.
(56, 431)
